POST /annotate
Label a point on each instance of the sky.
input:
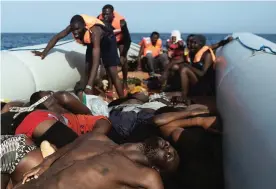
(144, 16)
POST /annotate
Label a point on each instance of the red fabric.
(176, 49)
(31, 121)
(82, 124)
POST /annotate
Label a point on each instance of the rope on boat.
(42, 48)
(262, 48)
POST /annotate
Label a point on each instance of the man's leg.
(163, 61)
(123, 60)
(112, 72)
(150, 63)
(187, 77)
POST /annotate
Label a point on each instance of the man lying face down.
(94, 161)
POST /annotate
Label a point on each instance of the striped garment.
(13, 150)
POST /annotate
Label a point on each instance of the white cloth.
(137, 107)
(96, 104)
(177, 34)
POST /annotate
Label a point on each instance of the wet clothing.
(59, 135)
(127, 117)
(82, 124)
(31, 121)
(13, 150)
(109, 53)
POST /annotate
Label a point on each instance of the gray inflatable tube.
(22, 73)
(246, 99)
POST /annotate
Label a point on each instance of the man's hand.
(229, 39)
(35, 172)
(38, 53)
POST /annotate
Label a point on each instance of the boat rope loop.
(262, 48)
(42, 48)
(28, 109)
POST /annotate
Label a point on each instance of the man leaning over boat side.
(100, 42)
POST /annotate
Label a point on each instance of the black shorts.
(109, 53)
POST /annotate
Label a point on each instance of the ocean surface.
(14, 40)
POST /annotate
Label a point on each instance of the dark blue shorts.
(109, 53)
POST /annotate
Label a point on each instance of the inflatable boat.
(246, 98)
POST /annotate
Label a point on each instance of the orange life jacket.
(149, 48)
(116, 25)
(199, 54)
(90, 21)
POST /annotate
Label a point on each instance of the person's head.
(197, 42)
(37, 96)
(142, 96)
(161, 154)
(189, 39)
(154, 37)
(78, 28)
(175, 36)
(107, 13)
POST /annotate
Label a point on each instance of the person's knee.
(149, 56)
(184, 70)
(164, 57)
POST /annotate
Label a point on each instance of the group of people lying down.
(139, 141)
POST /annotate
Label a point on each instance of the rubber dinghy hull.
(22, 73)
(247, 103)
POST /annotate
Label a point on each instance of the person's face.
(173, 39)
(108, 15)
(78, 30)
(194, 45)
(154, 39)
(161, 154)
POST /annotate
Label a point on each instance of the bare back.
(91, 146)
(107, 170)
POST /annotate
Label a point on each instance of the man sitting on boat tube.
(100, 42)
(151, 50)
(120, 29)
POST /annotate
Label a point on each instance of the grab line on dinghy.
(262, 48)
(41, 48)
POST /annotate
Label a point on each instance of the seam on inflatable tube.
(27, 69)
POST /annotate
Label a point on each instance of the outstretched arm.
(96, 34)
(69, 102)
(165, 118)
(53, 41)
(221, 43)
